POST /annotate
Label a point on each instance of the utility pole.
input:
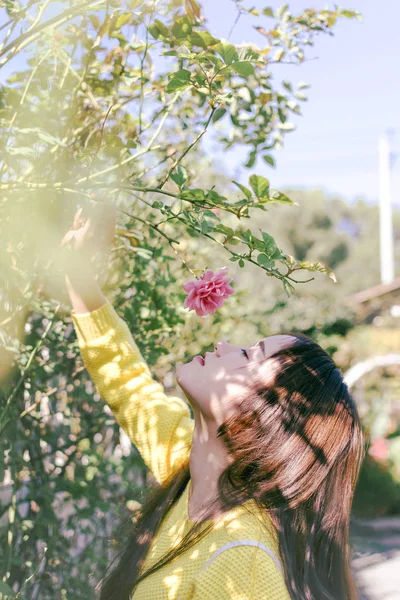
(385, 203)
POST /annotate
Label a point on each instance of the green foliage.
(203, 87)
(377, 493)
(6, 592)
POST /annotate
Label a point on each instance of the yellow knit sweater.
(238, 559)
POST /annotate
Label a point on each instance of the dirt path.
(377, 558)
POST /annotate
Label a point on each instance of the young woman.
(253, 495)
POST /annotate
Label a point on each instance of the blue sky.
(354, 98)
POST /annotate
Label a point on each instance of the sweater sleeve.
(241, 573)
(159, 426)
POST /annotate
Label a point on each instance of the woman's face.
(214, 385)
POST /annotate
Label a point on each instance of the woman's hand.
(92, 232)
(91, 236)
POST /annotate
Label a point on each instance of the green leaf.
(209, 213)
(261, 206)
(11, 7)
(269, 243)
(228, 52)
(203, 39)
(260, 186)
(240, 202)
(228, 231)
(252, 159)
(180, 176)
(241, 263)
(243, 67)
(282, 10)
(194, 194)
(332, 18)
(162, 28)
(217, 62)
(351, 14)
(282, 115)
(276, 196)
(263, 260)
(206, 227)
(176, 84)
(122, 39)
(269, 160)
(244, 189)
(179, 80)
(287, 85)
(182, 27)
(123, 19)
(6, 592)
(154, 31)
(288, 287)
(219, 113)
(318, 266)
(303, 85)
(95, 21)
(268, 12)
(183, 74)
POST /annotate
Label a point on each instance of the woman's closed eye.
(245, 352)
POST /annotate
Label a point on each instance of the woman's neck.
(208, 458)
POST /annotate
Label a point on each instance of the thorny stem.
(282, 277)
(178, 160)
(142, 60)
(155, 227)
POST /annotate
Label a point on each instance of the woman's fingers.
(78, 219)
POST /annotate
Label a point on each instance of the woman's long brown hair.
(297, 447)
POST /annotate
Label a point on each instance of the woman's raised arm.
(159, 426)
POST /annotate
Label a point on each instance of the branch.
(170, 240)
(155, 227)
(281, 277)
(142, 59)
(29, 36)
(178, 160)
(141, 152)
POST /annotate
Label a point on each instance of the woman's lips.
(201, 359)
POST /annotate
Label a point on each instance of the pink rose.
(207, 293)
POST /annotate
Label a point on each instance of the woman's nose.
(223, 347)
